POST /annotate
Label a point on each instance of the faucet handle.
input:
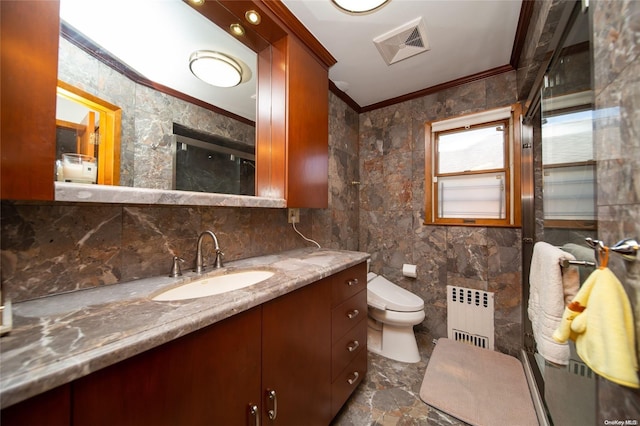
(176, 271)
(219, 257)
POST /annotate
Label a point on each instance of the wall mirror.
(136, 58)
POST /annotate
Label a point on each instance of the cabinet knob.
(352, 282)
(353, 314)
(356, 375)
(353, 346)
(255, 413)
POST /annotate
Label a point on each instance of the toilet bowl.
(393, 311)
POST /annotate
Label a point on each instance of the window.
(473, 169)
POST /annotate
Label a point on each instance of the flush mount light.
(252, 17)
(197, 2)
(215, 68)
(236, 29)
(359, 6)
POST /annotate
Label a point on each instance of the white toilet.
(393, 311)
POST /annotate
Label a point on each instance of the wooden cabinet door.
(308, 129)
(29, 34)
(52, 408)
(296, 356)
(293, 144)
(205, 378)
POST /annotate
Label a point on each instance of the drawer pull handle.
(353, 346)
(253, 411)
(352, 282)
(354, 379)
(353, 314)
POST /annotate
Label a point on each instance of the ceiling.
(465, 37)
(156, 38)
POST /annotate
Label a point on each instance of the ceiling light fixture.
(215, 68)
(237, 30)
(359, 6)
(198, 2)
(252, 17)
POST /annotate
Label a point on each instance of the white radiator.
(470, 316)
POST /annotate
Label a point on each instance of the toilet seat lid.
(382, 292)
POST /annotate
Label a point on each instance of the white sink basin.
(214, 285)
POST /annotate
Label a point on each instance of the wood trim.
(428, 173)
(571, 224)
(439, 87)
(223, 13)
(268, 29)
(514, 208)
(345, 98)
(86, 45)
(572, 164)
(526, 11)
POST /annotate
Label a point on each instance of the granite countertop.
(60, 338)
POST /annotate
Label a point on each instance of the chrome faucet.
(219, 254)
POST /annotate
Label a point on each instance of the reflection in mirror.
(568, 159)
(156, 96)
(87, 138)
(211, 163)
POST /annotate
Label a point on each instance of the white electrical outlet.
(294, 215)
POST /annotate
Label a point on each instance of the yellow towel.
(600, 321)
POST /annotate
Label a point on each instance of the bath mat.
(478, 386)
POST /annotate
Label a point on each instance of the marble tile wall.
(616, 51)
(51, 248)
(337, 226)
(392, 212)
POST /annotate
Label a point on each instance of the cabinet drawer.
(347, 314)
(348, 347)
(348, 282)
(347, 381)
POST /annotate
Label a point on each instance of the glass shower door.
(567, 173)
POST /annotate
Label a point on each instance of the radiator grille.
(470, 316)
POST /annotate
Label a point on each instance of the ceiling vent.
(403, 42)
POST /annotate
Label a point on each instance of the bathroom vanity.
(288, 350)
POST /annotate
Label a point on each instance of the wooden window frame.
(512, 170)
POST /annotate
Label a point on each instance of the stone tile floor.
(389, 395)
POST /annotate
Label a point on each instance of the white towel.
(550, 290)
